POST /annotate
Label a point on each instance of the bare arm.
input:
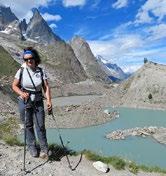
(47, 92)
(18, 91)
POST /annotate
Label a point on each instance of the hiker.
(28, 83)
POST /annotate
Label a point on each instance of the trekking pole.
(61, 140)
(25, 115)
(60, 137)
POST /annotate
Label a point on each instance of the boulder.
(100, 166)
(107, 111)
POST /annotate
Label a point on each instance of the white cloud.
(157, 32)
(22, 8)
(28, 16)
(116, 48)
(128, 51)
(143, 17)
(49, 17)
(68, 3)
(121, 52)
(120, 4)
(156, 7)
(53, 25)
(131, 68)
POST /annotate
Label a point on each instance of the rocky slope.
(8, 68)
(13, 29)
(59, 60)
(146, 88)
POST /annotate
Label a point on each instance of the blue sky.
(122, 31)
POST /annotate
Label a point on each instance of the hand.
(24, 95)
(49, 106)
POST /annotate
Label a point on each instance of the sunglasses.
(29, 60)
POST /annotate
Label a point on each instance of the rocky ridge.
(88, 60)
(113, 70)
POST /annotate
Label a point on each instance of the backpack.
(21, 73)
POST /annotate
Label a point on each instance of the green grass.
(152, 169)
(116, 162)
(120, 164)
(12, 140)
(8, 131)
(133, 167)
(8, 66)
(7, 90)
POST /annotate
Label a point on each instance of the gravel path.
(11, 164)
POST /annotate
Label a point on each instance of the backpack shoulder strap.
(21, 72)
(41, 71)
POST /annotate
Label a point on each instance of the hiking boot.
(43, 155)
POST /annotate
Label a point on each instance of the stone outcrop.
(100, 166)
(157, 133)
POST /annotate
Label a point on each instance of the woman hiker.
(28, 83)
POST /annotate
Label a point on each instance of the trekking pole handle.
(50, 112)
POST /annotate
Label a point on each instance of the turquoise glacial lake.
(141, 150)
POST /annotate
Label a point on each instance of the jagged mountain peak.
(80, 41)
(39, 30)
(114, 70)
(6, 16)
(78, 38)
(23, 26)
(36, 11)
(36, 14)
